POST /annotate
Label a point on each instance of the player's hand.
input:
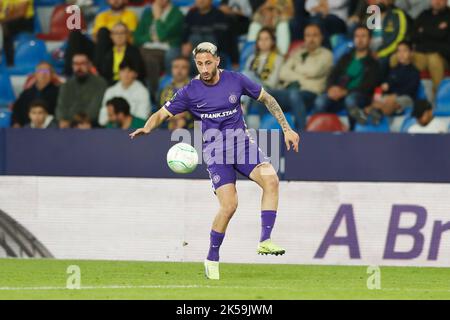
(291, 138)
(139, 132)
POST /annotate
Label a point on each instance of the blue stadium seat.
(183, 3)
(247, 50)
(47, 2)
(6, 89)
(407, 123)
(23, 37)
(57, 58)
(5, 118)
(100, 2)
(421, 93)
(443, 99)
(382, 127)
(269, 122)
(342, 49)
(28, 54)
(338, 39)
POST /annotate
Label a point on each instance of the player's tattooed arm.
(275, 109)
(291, 138)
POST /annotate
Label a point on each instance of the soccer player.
(214, 98)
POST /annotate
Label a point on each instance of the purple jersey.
(217, 106)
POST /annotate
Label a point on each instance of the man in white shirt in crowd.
(426, 122)
(129, 88)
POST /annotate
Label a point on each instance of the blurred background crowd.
(318, 58)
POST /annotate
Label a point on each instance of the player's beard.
(211, 78)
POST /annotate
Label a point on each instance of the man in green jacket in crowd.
(158, 35)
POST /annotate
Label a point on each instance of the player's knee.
(271, 183)
(229, 208)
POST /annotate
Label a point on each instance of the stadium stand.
(443, 99)
(58, 29)
(48, 42)
(325, 123)
(382, 127)
(27, 55)
(7, 95)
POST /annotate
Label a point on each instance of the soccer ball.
(182, 158)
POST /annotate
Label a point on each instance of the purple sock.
(216, 239)
(267, 222)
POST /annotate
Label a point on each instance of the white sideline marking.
(104, 287)
(43, 288)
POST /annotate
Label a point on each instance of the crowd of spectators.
(112, 73)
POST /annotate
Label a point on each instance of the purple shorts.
(241, 157)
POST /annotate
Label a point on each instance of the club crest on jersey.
(216, 178)
(232, 98)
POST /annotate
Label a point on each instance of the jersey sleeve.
(178, 104)
(249, 87)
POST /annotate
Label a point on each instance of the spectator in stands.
(239, 12)
(331, 15)
(39, 117)
(394, 29)
(204, 22)
(43, 89)
(264, 65)
(432, 41)
(118, 12)
(120, 51)
(180, 77)
(399, 89)
(352, 81)
(159, 37)
(305, 73)
(119, 116)
(102, 43)
(129, 88)
(275, 15)
(358, 14)
(81, 121)
(413, 8)
(15, 17)
(299, 20)
(81, 93)
(426, 123)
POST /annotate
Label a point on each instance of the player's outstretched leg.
(227, 197)
(265, 176)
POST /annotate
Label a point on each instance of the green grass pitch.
(46, 279)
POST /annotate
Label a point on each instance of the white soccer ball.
(182, 158)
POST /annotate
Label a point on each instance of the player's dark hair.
(272, 35)
(38, 103)
(120, 105)
(128, 64)
(420, 107)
